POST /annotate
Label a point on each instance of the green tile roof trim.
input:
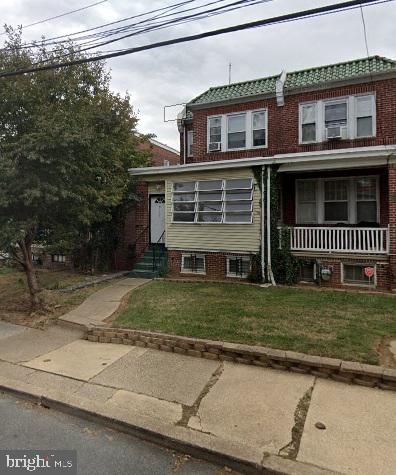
(313, 77)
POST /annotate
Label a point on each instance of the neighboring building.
(161, 155)
(329, 133)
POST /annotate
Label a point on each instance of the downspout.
(262, 222)
(184, 143)
(270, 275)
(181, 125)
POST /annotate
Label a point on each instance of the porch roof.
(292, 162)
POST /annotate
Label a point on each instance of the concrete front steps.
(145, 268)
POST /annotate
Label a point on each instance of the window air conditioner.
(336, 132)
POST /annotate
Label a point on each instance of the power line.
(117, 21)
(61, 15)
(166, 24)
(241, 27)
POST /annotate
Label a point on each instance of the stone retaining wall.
(343, 371)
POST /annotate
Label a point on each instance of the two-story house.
(327, 133)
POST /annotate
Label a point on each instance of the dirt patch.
(386, 357)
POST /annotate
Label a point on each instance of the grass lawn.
(14, 295)
(335, 324)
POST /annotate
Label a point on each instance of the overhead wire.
(324, 10)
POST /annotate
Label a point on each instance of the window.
(190, 139)
(355, 115)
(307, 271)
(213, 201)
(335, 114)
(241, 131)
(259, 128)
(214, 133)
(338, 200)
(193, 263)
(306, 199)
(364, 116)
(308, 123)
(236, 130)
(366, 200)
(238, 266)
(61, 258)
(355, 274)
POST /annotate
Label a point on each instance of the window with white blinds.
(213, 201)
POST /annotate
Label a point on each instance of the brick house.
(327, 133)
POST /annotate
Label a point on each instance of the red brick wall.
(188, 126)
(135, 230)
(382, 269)
(215, 265)
(123, 257)
(288, 190)
(283, 122)
(159, 154)
(392, 222)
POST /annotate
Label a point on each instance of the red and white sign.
(369, 272)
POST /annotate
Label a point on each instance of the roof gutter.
(362, 153)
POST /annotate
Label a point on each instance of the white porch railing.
(334, 239)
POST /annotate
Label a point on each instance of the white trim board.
(350, 157)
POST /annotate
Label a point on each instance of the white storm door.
(157, 219)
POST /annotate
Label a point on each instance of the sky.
(175, 74)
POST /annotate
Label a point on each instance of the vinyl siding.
(213, 237)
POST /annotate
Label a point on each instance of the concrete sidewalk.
(252, 414)
(102, 304)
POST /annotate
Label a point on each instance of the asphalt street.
(99, 450)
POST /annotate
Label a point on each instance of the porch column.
(392, 223)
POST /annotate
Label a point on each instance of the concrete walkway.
(102, 304)
(243, 411)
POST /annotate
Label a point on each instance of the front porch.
(325, 239)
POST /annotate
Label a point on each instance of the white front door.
(157, 219)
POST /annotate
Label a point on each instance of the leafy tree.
(66, 143)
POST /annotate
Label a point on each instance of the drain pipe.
(262, 222)
(270, 275)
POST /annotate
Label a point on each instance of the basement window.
(355, 274)
(307, 271)
(238, 266)
(193, 263)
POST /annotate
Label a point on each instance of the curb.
(271, 465)
(323, 367)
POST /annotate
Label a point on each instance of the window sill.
(366, 286)
(245, 149)
(234, 276)
(189, 272)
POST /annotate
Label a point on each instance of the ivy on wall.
(285, 267)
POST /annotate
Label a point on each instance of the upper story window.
(215, 135)
(237, 131)
(213, 201)
(190, 140)
(308, 122)
(352, 200)
(346, 118)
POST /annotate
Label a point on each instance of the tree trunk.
(26, 262)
